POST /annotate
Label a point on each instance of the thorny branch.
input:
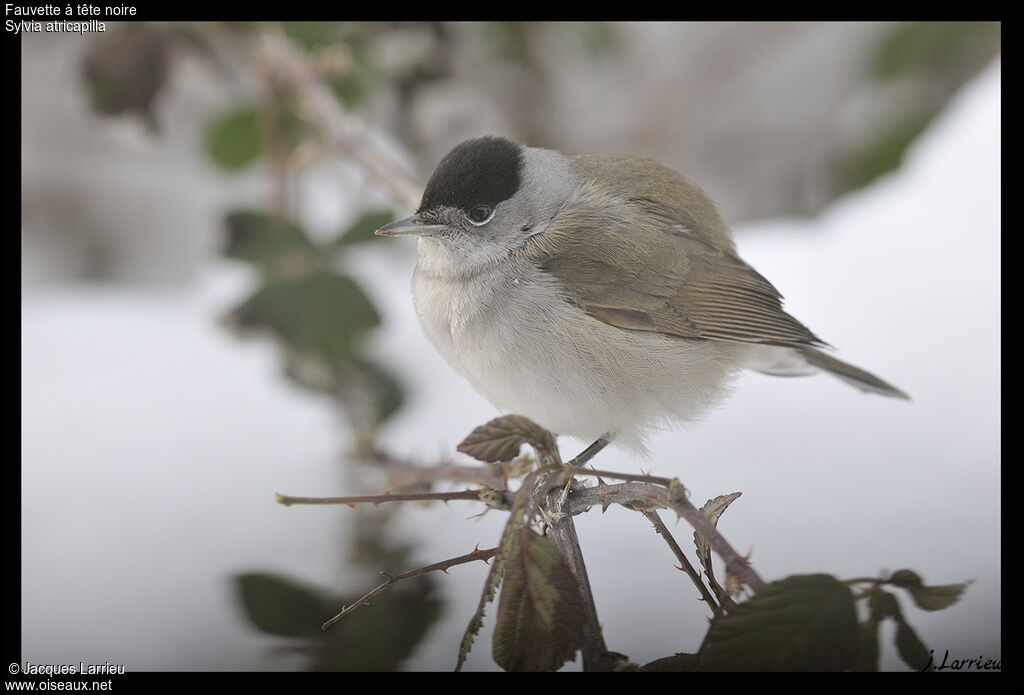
(644, 493)
(562, 533)
(478, 495)
(403, 473)
(684, 562)
(443, 566)
(673, 496)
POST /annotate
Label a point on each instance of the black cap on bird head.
(482, 171)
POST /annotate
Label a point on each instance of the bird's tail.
(855, 376)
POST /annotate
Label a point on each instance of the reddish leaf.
(500, 439)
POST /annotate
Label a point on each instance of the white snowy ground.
(153, 442)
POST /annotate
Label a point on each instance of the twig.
(684, 563)
(562, 533)
(723, 596)
(339, 129)
(644, 495)
(550, 497)
(444, 565)
(640, 478)
(474, 495)
(405, 473)
(734, 562)
(866, 580)
(629, 495)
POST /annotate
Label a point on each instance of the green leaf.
(280, 606)
(378, 637)
(356, 85)
(233, 139)
(801, 623)
(910, 647)
(929, 598)
(905, 578)
(540, 613)
(363, 228)
(500, 439)
(867, 647)
(883, 605)
(675, 664)
(320, 315)
(509, 542)
(935, 598)
(270, 242)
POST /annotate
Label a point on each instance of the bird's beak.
(413, 226)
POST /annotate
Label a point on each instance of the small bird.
(598, 295)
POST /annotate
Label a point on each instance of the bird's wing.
(685, 280)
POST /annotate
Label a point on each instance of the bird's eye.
(480, 214)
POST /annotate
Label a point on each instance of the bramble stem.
(288, 500)
(443, 566)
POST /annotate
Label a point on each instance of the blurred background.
(207, 319)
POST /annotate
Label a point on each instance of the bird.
(600, 296)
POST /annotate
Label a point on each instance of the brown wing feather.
(701, 288)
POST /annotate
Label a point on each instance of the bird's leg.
(554, 477)
(592, 450)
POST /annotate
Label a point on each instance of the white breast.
(511, 333)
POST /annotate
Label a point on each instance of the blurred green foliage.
(598, 38)
(124, 70)
(377, 638)
(933, 46)
(233, 139)
(270, 242)
(883, 154)
(927, 60)
(809, 623)
(346, 45)
(800, 623)
(314, 35)
(322, 319)
(320, 316)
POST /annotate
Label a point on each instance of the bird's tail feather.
(855, 376)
